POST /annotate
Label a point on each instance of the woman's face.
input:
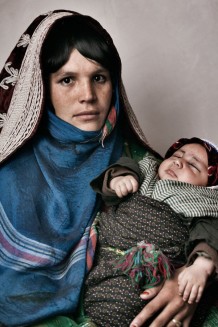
(188, 164)
(81, 92)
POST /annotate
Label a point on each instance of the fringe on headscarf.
(109, 124)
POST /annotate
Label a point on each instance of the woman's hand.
(172, 305)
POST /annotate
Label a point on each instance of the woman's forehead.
(78, 64)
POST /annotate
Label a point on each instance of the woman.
(47, 206)
(64, 118)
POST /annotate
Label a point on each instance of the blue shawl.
(46, 209)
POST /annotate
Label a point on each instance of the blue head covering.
(46, 224)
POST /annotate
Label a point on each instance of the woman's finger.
(168, 303)
(146, 313)
(151, 292)
(178, 309)
(183, 318)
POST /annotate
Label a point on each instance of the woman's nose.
(86, 92)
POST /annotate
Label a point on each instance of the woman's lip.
(86, 113)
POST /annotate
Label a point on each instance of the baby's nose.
(178, 162)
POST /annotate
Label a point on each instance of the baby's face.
(188, 164)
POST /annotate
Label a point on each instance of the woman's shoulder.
(137, 151)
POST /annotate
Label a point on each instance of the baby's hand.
(123, 185)
(192, 280)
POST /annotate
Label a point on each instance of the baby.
(142, 236)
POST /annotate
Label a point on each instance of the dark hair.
(84, 34)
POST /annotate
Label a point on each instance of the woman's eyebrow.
(68, 72)
(63, 73)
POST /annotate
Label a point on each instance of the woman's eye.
(99, 78)
(66, 80)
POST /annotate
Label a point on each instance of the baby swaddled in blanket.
(143, 237)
